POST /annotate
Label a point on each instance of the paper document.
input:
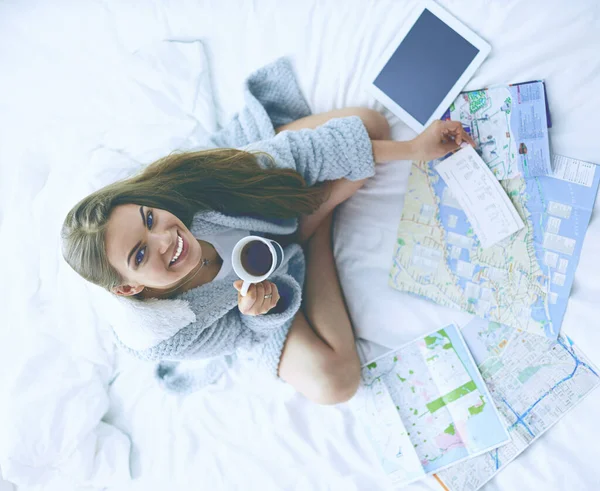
(572, 170)
(534, 383)
(424, 407)
(487, 206)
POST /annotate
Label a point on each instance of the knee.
(376, 123)
(339, 381)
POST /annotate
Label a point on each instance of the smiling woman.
(119, 236)
(164, 253)
(154, 236)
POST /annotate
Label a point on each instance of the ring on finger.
(268, 290)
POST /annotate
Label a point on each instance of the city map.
(510, 124)
(533, 382)
(425, 406)
(523, 281)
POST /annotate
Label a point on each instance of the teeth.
(179, 249)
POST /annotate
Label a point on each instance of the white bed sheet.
(246, 433)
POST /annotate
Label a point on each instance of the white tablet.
(426, 66)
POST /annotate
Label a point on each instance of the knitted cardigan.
(204, 322)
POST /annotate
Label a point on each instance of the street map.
(533, 382)
(425, 406)
(510, 124)
(523, 281)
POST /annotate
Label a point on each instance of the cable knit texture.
(341, 148)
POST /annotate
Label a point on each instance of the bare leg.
(319, 358)
(338, 192)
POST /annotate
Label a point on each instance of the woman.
(166, 235)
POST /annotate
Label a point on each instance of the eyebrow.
(138, 244)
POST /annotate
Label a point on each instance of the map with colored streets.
(510, 124)
(523, 281)
(533, 382)
(424, 406)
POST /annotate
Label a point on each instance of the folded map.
(425, 407)
(510, 124)
(533, 381)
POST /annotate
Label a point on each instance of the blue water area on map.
(462, 225)
(481, 336)
(450, 457)
(485, 428)
(540, 192)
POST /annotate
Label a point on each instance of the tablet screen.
(425, 67)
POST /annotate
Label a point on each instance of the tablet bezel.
(483, 47)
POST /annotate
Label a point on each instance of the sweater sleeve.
(273, 98)
(341, 148)
(197, 341)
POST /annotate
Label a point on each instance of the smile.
(178, 250)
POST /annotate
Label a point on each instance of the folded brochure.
(510, 125)
(534, 382)
(425, 407)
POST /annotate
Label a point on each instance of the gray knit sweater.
(341, 148)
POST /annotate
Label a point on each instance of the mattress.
(76, 109)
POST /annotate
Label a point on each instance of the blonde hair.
(226, 180)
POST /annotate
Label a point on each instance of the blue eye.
(139, 257)
(149, 220)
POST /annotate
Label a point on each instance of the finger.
(463, 137)
(260, 291)
(454, 126)
(468, 138)
(260, 298)
(238, 285)
(267, 302)
(272, 301)
(275, 293)
(268, 287)
(246, 303)
(456, 129)
(448, 134)
(450, 146)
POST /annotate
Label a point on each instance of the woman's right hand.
(261, 297)
(438, 139)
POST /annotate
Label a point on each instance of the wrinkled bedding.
(90, 91)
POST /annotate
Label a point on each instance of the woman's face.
(150, 248)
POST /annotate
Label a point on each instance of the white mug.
(249, 277)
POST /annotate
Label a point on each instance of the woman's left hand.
(261, 297)
(438, 139)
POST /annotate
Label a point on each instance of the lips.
(184, 250)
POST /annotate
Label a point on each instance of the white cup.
(246, 276)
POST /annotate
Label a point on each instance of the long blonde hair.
(226, 180)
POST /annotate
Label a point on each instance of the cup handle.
(244, 289)
(278, 252)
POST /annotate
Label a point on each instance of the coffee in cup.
(254, 259)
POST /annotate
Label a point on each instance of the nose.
(163, 241)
